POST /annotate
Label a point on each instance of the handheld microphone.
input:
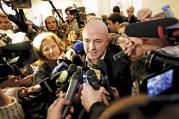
(101, 65)
(61, 66)
(63, 77)
(74, 82)
(77, 60)
(78, 47)
(92, 79)
(119, 55)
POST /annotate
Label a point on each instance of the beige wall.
(155, 5)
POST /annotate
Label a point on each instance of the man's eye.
(98, 41)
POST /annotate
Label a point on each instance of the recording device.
(77, 60)
(23, 54)
(19, 3)
(78, 47)
(162, 83)
(22, 26)
(61, 78)
(119, 55)
(79, 14)
(61, 66)
(149, 28)
(158, 60)
(104, 81)
(73, 86)
(5, 38)
(92, 79)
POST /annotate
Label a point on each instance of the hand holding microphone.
(72, 88)
(90, 96)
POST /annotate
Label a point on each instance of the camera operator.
(72, 30)
(52, 25)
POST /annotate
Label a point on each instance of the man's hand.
(90, 96)
(55, 110)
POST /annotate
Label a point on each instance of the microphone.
(77, 60)
(74, 82)
(78, 47)
(101, 65)
(148, 28)
(92, 79)
(63, 76)
(119, 55)
(61, 66)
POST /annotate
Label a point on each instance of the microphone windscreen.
(59, 67)
(78, 47)
(148, 28)
(92, 79)
(77, 60)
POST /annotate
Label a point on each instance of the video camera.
(163, 82)
(161, 64)
(79, 14)
(15, 56)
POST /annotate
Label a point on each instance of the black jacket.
(118, 73)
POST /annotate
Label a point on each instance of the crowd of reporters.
(82, 72)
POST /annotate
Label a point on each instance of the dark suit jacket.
(118, 73)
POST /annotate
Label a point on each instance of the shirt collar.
(89, 64)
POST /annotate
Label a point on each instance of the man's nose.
(91, 46)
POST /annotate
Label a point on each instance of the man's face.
(130, 12)
(95, 44)
(69, 16)
(51, 24)
(5, 23)
(112, 27)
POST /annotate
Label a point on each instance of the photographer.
(52, 25)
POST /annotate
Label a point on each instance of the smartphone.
(164, 82)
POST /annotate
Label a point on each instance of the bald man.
(96, 46)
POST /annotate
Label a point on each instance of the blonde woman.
(50, 48)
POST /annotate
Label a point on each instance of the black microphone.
(61, 78)
(77, 60)
(92, 79)
(148, 28)
(119, 55)
(101, 65)
(74, 82)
